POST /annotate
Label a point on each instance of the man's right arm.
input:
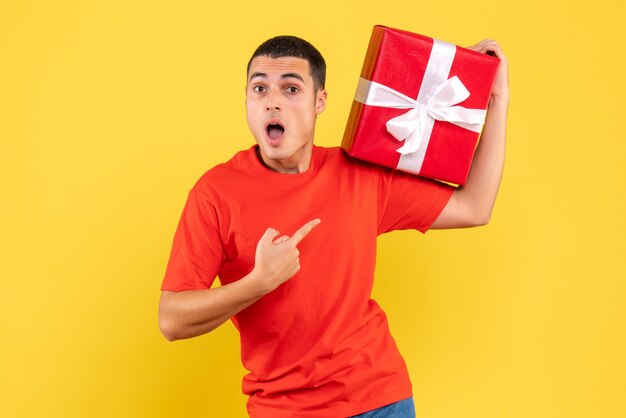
(190, 313)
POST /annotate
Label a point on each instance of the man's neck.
(287, 166)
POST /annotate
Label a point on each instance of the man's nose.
(273, 100)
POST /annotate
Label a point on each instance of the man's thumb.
(269, 235)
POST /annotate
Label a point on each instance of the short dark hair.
(292, 46)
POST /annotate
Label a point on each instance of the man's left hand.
(501, 85)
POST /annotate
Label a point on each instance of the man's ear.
(320, 101)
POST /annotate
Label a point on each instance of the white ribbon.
(436, 100)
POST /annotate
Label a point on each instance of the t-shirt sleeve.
(406, 201)
(197, 250)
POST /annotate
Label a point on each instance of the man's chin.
(274, 154)
(281, 154)
(279, 159)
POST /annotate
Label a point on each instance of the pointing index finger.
(304, 231)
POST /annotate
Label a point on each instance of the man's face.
(281, 107)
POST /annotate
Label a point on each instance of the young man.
(290, 228)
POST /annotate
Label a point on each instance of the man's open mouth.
(275, 130)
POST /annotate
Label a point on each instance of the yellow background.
(110, 111)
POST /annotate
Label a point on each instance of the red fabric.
(317, 346)
(398, 59)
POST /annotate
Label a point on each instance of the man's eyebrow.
(263, 75)
(286, 75)
(292, 75)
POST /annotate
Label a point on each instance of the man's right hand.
(278, 259)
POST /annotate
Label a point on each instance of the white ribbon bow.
(410, 126)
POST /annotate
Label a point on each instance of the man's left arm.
(472, 204)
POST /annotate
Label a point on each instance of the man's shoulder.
(225, 173)
(340, 156)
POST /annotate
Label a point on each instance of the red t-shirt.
(318, 345)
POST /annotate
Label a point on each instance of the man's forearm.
(190, 313)
(485, 175)
(471, 205)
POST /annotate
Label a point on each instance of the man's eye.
(292, 89)
(258, 88)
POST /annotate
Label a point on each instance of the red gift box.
(420, 105)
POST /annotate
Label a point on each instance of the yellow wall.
(110, 111)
